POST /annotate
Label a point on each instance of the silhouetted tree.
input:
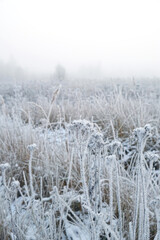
(60, 73)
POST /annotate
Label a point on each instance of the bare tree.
(60, 73)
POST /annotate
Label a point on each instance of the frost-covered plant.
(81, 181)
(31, 149)
(115, 150)
(3, 168)
(141, 212)
(156, 206)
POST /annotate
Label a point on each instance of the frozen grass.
(79, 162)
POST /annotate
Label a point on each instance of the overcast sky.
(118, 37)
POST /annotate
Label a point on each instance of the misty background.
(87, 38)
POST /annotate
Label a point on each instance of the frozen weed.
(62, 178)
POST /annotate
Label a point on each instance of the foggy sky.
(113, 37)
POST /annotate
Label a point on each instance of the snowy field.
(80, 162)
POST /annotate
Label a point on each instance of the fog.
(95, 37)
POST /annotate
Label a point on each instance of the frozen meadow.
(80, 161)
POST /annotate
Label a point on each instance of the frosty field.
(80, 161)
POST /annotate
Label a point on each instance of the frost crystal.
(4, 166)
(15, 184)
(115, 147)
(83, 126)
(95, 141)
(110, 159)
(32, 147)
(143, 133)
